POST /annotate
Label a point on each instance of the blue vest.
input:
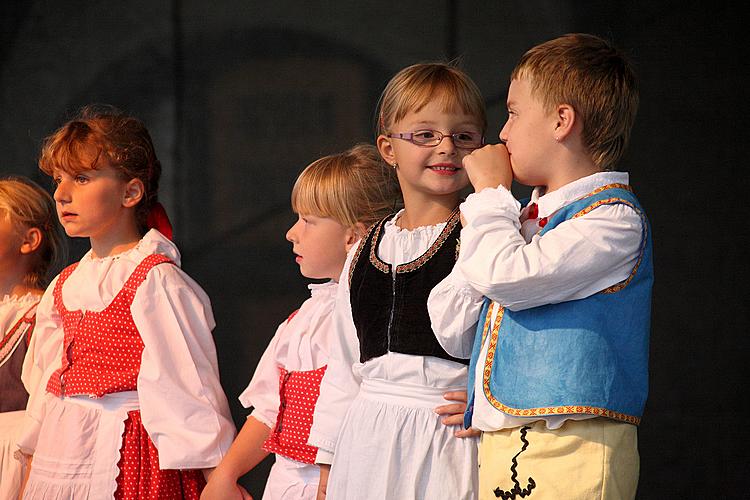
(582, 356)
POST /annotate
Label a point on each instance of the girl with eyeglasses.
(392, 398)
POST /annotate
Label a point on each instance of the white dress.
(301, 343)
(183, 407)
(377, 417)
(12, 310)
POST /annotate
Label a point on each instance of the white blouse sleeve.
(576, 259)
(454, 308)
(183, 406)
(340, 383)
(263, 391)
(43, 357)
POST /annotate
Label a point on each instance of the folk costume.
(559, 371)
(285, 388)
(132, 407)
(17, 317)
(375, 417)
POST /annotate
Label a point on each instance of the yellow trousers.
(584, 459)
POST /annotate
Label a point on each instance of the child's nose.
(503, 135)
(291, 233)
(447, 145)
(61, 194)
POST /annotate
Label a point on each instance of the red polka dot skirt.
(140, 477)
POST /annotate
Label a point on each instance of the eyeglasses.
(431, 138)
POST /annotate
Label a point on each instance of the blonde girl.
(132, 406)
(336, 199)
(30, 245)
(389, 381)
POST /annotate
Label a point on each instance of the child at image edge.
(559, 359)
(337, 198)
(382, 417)
(130, 405)
(30, 246)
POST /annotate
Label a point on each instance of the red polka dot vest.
(101, 350)
(298, 393)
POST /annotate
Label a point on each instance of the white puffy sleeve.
(43, 357)
(454, 308)
(340, 383)
(45, 348)
(183, 406)
(263, 391)
(578, 258)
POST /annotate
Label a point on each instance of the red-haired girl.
(133, 407)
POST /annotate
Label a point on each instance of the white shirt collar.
(326, 287)
(549, 203)
(152, 242)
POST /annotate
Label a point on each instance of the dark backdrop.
(240, 96)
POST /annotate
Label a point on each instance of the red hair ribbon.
(157, 219)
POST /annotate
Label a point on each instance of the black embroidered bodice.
(390, 308)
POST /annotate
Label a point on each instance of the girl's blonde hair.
(352, 187)
(415, 86)
(28, 206)
(101, 135)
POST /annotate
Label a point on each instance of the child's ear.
(133, 194)
(386, 150)
(566, 120)
(32, 238)
(354, 234)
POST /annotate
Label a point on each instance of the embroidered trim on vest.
(379, 264)
(541, 411)
(361, 245)
(609, 201)
(408, 267)
(22, 329)
(615, 185)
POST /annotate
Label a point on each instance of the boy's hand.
(455, 413)
(489, 167)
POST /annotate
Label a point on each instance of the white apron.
(393, 445)
(79, 445)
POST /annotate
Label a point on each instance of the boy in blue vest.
(561, 286)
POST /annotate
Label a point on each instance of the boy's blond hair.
(26, 205)
(352, 187)
(415, 86)
(588, 73)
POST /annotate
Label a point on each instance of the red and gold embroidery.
(453, 219)
(360, 247)
(451, 222)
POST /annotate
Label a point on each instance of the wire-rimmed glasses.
(431, 138)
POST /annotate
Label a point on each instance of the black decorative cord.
(517, 490)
